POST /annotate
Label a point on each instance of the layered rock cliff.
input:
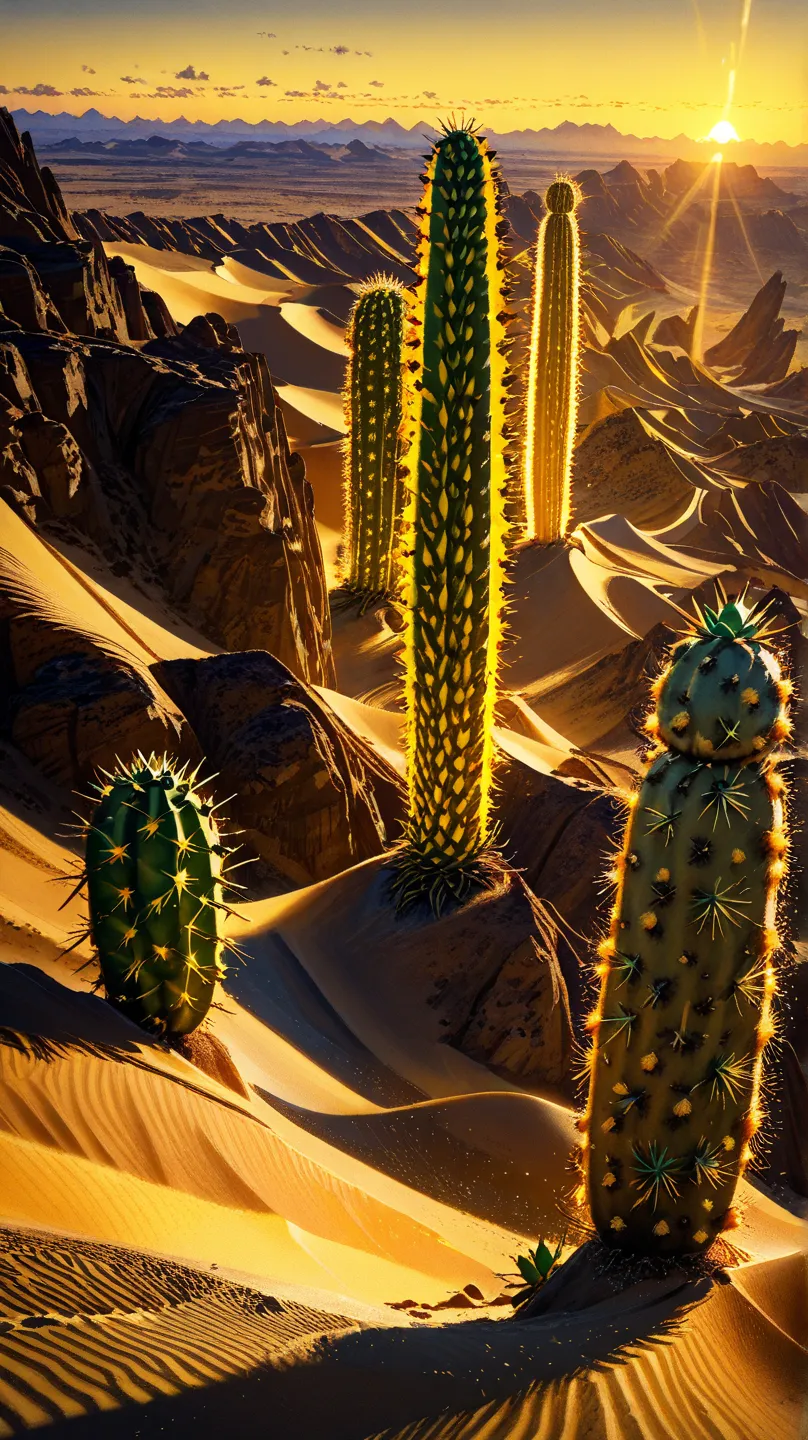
(167, 451)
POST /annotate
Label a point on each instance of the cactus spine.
(687, 971)
(155, 888)
(456, 524)
(552, 395)
(373, 404)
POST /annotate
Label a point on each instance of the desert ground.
(305, 1223)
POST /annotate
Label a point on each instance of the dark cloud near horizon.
(377, 84)
(189, 73)
(39, 89)
(329, 50)
(133, 80)
(265, 80)
(88, 69)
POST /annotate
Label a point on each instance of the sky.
(650, 67)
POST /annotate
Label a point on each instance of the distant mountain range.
(566, 139)
(161, 148)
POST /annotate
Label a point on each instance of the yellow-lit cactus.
(373, 408)
(456, 526)
(687, 970)
(552, 393)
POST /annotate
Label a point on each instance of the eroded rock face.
(304, 788)
(498, 986)
(167, 450)
(69, 703)
(620, 469)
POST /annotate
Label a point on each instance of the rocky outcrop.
(757, 348)
(70, 703)
(620, 469)
(167, 450)
(559, 834)
(310, 797)
(498, 987)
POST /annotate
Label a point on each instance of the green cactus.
(552, 394)
(687, 971)
(456, 525)
(373, 405)
(154, 874)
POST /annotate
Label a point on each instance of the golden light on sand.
(722, 132)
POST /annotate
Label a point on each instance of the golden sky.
(650, 67)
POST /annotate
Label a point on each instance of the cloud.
(328, 50)
(320, 85)
(268, 34)
(341, 85)
(134, 80)
(265, 80)
(227, 91)
(189, 73)
(166, 92)
(84, 90)
(379, 84)
(88, 69)
(430, 94)
(39, 89)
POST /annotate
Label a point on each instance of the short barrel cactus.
(687, 971)
(154, 868)
(374, 490)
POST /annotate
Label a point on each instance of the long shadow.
(280, 993)
(363, 1383)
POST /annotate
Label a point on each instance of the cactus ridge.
(687, 977)
(456, 525)
(553, 379)
(374, 411)
(155, 883)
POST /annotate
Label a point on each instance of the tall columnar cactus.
(373, 405)
(154, 872)
(687, 971)
(552, 394)
(456, 523)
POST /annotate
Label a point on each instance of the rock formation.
(169, 451)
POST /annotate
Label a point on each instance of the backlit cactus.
(687, 970)
(456, 524)
(154, 874)
(552, 393)
(373, 407)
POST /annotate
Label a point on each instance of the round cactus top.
(722, 696)
(560, 198)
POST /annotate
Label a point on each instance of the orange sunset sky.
(647, 66)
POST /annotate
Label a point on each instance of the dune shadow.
(371, 1382)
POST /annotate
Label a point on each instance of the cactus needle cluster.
(687, 970)
(552, 395)
(155, 882)
(455, 522)
(374, 490)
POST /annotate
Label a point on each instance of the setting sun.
(723, 132)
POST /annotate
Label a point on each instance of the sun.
(723, 132)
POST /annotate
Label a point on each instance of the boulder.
(308, 794)
(619, 469)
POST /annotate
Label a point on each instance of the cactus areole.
(455, 523)
(552, 395)
(155, 889)
(687, 970)
(373, 406)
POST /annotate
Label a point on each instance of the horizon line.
(391, 120)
